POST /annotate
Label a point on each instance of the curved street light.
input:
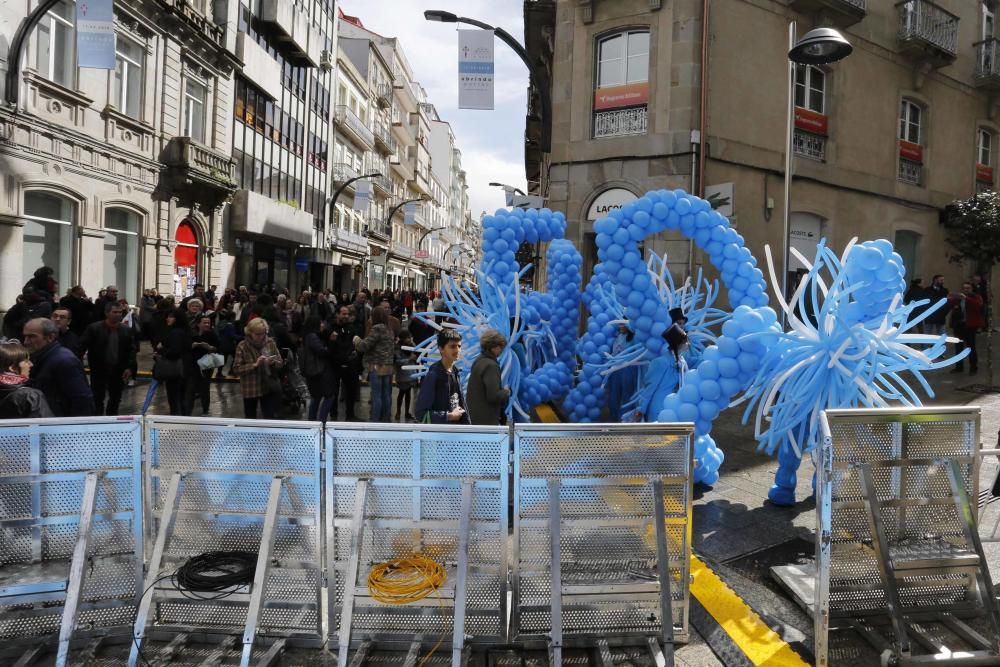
(820, 46)
(539, 77)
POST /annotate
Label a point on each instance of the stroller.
(294, 392)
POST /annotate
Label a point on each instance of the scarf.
(8, 378)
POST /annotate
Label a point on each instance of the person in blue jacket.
(623, 383)
(57, 372)
(440, 400)
(664, 375)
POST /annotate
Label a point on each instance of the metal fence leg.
(462, 574)
(167, 519)
(263, 569)
(351, 576)
(555, 638)
(75, 585)
(663, 569)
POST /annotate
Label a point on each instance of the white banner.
(475, 69)
(362, 195)
(409, 209)
(95, 34)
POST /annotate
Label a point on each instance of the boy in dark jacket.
(440, 399)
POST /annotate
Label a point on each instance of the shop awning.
(418, 272)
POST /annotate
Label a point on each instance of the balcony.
(620, 122)
(258, 66)
(348, 242)
(400, 250)
(927, 33)
(385, 143)
(378, 229)
(254, 213)
(383, 95)
(353, 126)
(987, 64)
(196, 174)
(910, 171)
(402, 167)
(809, 145)
(842, 13)
(192, 19)
(383, 183)
(292, 27)
(343, 172)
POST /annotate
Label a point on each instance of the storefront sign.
(628, 95)
(95, 34)
(911, 151)
(422, 254)
(302, 264)
(984, 174)
(475, 69)
(810, 121)
(608, 201)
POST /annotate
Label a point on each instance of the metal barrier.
(602, 535)
(394, 490)
(71, 538)
(897, 538)
(216, 484)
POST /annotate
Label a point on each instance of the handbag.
(168, 369)
(272, 381)
(210, 361)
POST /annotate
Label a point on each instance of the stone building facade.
(118, 176)
(884, 139)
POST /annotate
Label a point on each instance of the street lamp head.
(440, 15)
(494, 184)
(820, 46)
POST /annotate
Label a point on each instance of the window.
(48, 234)
(810, 88)
(121, 251)
(622, 59)
(984, 146)
(195, 96)
(989, 21)
(128, 77)
(909, 122)
(56, 45)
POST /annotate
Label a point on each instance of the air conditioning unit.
(326, 60)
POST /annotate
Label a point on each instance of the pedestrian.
(158, 329)
(419, 327)
(206, 358)
(341, 377)
(63, 319)
(257, 363)
(111, 356)
(966, 322)
(18, 400)
(31, 304)
(487, 395)
(229, 338)
(173, 359)
(314, 358)
(57, 372)
(379, 353)
(934, 325)
(406, 378)
(916, 292)
(80, 306)
(440, 399)
(43, 282)
(110, 295)
(622, 384)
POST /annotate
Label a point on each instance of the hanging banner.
(810, 121)
(615, 97)
(95, 34)
(984, 174)
(911, 151)
(362, 195)
(409, 210)
(475, 69)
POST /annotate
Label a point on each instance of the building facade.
(281, 144)
(883, 140)
(118, 176)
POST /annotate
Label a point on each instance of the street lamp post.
(539, 76)
(388, 221)
(821, 46)
(331, 203)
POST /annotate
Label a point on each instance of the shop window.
(48, 235)
(121, 251)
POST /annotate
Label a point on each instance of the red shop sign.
(810, 121)
(627, 95)
(984, 174)
(911, 151)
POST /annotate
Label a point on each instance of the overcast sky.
(492, 142)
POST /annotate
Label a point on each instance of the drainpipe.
(700, 183)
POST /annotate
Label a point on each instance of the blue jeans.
(381, 388)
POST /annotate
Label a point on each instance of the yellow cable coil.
(405, 580)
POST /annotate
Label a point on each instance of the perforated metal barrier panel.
(916, 511)
(595, 486)
(71, 548)
(241, 485)
(397, 490)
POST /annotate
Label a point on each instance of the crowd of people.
(964, 313)
(275, 344)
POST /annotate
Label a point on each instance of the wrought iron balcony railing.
(922, 22)
(620, 122)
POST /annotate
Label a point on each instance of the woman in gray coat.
(487, 397)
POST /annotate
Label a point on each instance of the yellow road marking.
(762, 646)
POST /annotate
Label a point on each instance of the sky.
(492, 142)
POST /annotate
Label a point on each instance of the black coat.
(935, 294)
(23, 402)
(72, 342)
(20, 313)
(435, 394)
(95, 340)
(58, 373)
(81, 311)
